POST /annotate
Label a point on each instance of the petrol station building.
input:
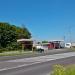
(30, 43)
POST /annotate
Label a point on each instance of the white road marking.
(39, 59)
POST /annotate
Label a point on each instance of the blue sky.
(46, 19)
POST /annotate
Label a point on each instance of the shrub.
(1, 50)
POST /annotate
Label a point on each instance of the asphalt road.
(42, 68)
(39, 69)
(50, 52)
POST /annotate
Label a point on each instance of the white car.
(68, 45)
(39, 47)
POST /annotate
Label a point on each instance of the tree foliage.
(10, 33)
(44, 41)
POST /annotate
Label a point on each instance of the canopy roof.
(22, 40)
(56, 40)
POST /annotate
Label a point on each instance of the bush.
(1, 50)
(11, 47)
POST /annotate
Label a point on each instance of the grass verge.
(15, 53)
(61, 70)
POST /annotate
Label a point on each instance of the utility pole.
(64, 38)
(70, 39)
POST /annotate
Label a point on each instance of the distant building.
(73, 44)
(26, 43)
(53, 44)
(30, 44)
(56, 44)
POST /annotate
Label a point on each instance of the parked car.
(40, 48)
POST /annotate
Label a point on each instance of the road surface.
(49, 52)
(41, 65)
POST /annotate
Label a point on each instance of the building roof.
(56, 40)
(22, 40)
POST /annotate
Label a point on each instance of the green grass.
(15, 53)
(72, 49)
(61, 70)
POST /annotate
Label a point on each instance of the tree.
(44, 41)
(10, 33)
(24, 32)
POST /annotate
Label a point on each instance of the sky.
(45, 19)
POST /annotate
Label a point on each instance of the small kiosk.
(26, 43)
